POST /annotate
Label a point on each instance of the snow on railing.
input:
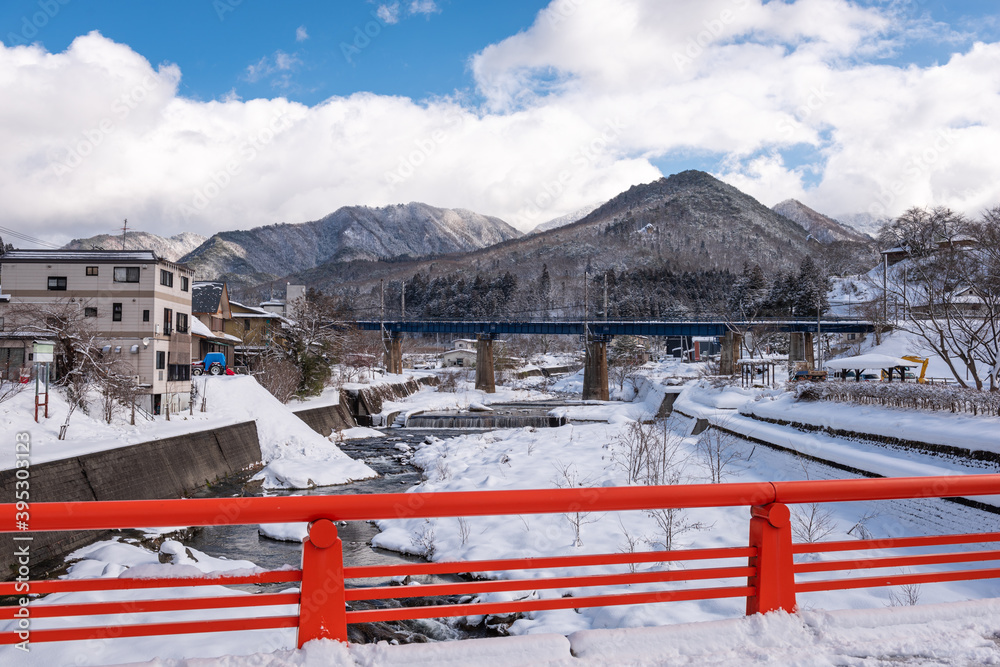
(763, 572)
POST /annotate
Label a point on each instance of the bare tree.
(625, 358)
(277, 374)
(719, 451)
(568, 477)
(947, 289)
(77, 348)
(651, 454)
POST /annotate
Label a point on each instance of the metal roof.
(79, 256)
(205, 296)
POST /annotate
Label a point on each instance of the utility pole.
(819, 335)
(402, 294)
(605, 296)
(586, 302)
(124, 231)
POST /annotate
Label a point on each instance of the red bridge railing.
(763, 572)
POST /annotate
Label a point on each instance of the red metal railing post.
(774, 580)
(322, 608)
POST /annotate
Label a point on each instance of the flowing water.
(388, 455)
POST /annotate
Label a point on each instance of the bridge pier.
(595, 371)
(485, 377)
(732, 345)
(801, 349)
(392, 344)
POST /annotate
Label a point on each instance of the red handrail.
(763, 572)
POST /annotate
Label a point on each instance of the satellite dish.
(145, 342)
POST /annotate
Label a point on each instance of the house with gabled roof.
(210, 306)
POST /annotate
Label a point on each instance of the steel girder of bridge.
(603, 329)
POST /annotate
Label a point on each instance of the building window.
(116, 312)
(161, 360)
(126, 274)
(168, 316)
(166, 278)
(145, 316)
(1, 324)
(91, 270)
(178, 372)
(182, 322)
(57, 283)
(90, 312)
(184, 284)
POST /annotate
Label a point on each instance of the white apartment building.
(140, 305)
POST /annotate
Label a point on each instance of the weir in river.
(499, 415)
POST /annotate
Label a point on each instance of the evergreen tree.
(810, 291)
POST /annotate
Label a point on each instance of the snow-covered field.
(945, 626)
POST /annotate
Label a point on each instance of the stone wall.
(167, 468)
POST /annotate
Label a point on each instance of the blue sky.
(214, 42)
(525, 109)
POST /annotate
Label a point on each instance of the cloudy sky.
(201, 115)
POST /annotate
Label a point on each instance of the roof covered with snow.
(79, 256)
(869, 361)
(205, 296)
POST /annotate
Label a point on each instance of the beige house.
(140, 307)
(210, 306)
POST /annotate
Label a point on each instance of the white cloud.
(277, 66)
(577, 107)
(423, 7)
(301, 34)
(388, 13)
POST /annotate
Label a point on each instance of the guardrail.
(763, 572)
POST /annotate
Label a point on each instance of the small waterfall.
(483, 420)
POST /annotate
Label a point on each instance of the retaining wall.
(167, 468)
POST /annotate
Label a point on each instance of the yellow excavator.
(923, 366)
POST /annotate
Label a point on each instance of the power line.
(30, 239)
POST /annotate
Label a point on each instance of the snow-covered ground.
(592, 454)
(296, 456)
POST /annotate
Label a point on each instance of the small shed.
(759, 369)
(459, 357)
(865, 362)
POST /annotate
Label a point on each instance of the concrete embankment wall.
(366, 401)
(327, 419)
(167, 468)
(357, 404)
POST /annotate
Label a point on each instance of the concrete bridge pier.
(732, 346)
(392, 344)
(801, 349)
(595, 371)
(485, 377)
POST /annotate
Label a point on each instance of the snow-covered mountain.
(172, 248)
(564, 220)
(350, 233)
(864, 222)
(823, 228)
